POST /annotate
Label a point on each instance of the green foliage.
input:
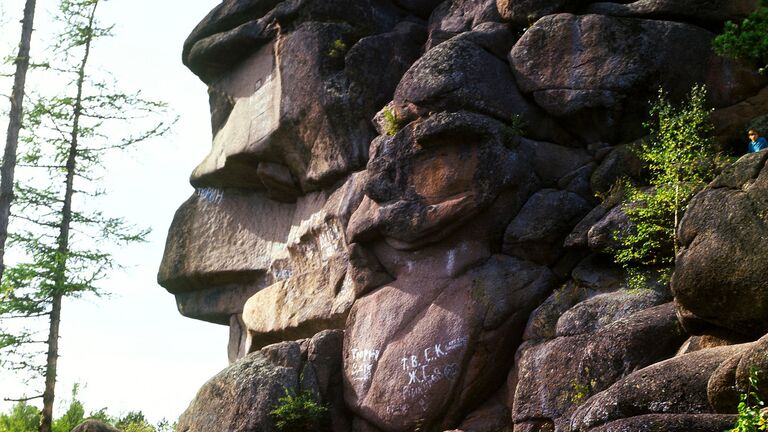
(746, 40)
(26, 418)
(392, 124)
(750, 418)
(518, 125)
(74, 415)
(299, 413)
(59, 236)
(134, 421)
(338, 49)
(22, 418)
(681, 158)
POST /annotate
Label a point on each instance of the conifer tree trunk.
(63, 239)
(15, 118)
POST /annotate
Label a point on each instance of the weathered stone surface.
(604, 235)
(292, 253)
(603, 309)
(620, 162)
(715, 338)
(537, 232)
(579, 237)
(589, 362)
(235, 28)
(687, 10)
(434, 175)
(755, 357)
(555, 164)
(498, 123)
(420, 7)
(526, 12)
(461, 74)
(307, 147)
(722, 392)
(493, 416)
(592, 276)
(597, 72)
(94, 426)
(449, 346)
(731, 122)
(674, 386)
(723, 238)
(453, 17)
(286, 138)
(239, 398)
(670, 423)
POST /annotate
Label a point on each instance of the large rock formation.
(398, 214)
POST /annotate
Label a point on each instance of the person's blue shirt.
(757, 145)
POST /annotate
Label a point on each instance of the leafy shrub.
(22, 418)
(681, 158)
(746, 40)
(299, 413)
(134, 421)
(750, 418)
(74, 415)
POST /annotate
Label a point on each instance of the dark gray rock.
(722, 392)
(755, 358)
(620, 162)
(603, 309)
(597, 73)
(526, 12)
(461, 75)
(577, 367)
(240, 398)
(537, 232)
(94, 426)
(453, 17)
(707, 11)
(604, 235)
(674, 386)
(718, 279)
(554, 164)
(422, 8)
(670, 423)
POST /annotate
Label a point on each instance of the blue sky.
(133, 351)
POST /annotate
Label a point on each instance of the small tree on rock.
(681, 157)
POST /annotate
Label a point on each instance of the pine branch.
(26, 399)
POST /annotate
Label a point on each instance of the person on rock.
(756, 142)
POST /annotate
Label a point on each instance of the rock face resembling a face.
(293, 86)
(417, 179)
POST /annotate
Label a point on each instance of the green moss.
(392, 124)
(580, 392)
(338, 49)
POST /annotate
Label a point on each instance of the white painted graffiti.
(432, 364)
(363, 361)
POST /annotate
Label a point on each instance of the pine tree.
(15, 117)
(60, 238)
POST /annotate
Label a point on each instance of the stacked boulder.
(409, 188)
